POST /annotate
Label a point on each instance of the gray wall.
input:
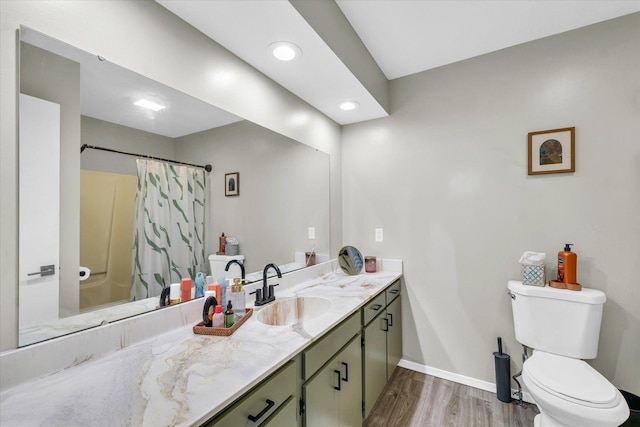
(446, 177)
(284, 189)
(164, 48)
(110, 135)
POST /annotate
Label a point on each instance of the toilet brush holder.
(503, 374)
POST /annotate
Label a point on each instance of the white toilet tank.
(219, 262)
(557, 321)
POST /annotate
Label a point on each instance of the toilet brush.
(503, 374)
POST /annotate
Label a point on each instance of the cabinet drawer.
(393, 291)
(373, 308)
(320, 353)
(261, 402)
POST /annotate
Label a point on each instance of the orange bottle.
(567, 262)
(222, 243)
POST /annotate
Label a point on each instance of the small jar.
(310, 258)
(370, 264)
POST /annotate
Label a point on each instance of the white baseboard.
(460, 379)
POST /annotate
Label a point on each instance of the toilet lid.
(571, 379)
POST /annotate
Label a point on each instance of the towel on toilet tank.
(533, 258)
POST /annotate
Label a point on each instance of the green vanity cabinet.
(382, 343)
(333, 382)
(333, 396)
(332, 377)
(272, 402)
(394, 335)
(374, 357)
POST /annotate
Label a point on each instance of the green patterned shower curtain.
(168, 237)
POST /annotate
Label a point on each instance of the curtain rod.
(207, 168)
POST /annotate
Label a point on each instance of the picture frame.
(232, 184)
(552, 151)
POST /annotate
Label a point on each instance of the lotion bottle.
(215, 286)
(222, 242)
(217, 321)
(185, 286)
(567, 262)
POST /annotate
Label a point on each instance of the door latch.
(45, 270)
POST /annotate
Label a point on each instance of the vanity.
(317, 369)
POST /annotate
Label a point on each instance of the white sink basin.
(293, 311)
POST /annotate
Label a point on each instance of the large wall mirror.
(76, 207)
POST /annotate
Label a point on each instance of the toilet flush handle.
(511, 294)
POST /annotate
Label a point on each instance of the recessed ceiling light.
(285, 51)
(348, 105)
(148, 104)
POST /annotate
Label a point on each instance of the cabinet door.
(349, 362)
(375, 361)
(333, 397)
(394, 336)
(321, 398)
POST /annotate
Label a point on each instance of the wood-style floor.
(414, 399)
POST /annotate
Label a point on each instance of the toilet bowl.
(570, 393)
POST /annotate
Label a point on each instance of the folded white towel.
(532, 258)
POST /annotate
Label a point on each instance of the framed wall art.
(552, 151)
(232, 184)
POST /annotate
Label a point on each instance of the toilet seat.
(570, 379)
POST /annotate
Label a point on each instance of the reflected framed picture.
(232, 184)
(552, 151)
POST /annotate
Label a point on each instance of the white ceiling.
(409, 36)
(403, 36)
(108, 92)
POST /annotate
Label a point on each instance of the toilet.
(563, 327)
(219, 262)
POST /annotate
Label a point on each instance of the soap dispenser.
(567, 270)
(238, 297)
(567, 262)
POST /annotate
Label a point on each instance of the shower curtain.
(168, 237)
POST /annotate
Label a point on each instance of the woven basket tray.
(200, 329)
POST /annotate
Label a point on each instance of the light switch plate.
(312, 232)
(379, 235)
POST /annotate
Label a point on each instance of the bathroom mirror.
(284, 185)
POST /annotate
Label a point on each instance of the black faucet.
(235, 261)
(266, 294)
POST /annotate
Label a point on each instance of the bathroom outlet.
(379, 235)
(312, 232)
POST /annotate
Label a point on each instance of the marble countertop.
(178, 378)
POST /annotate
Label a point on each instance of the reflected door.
(39, 211)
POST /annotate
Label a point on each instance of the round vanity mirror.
(350, 260)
